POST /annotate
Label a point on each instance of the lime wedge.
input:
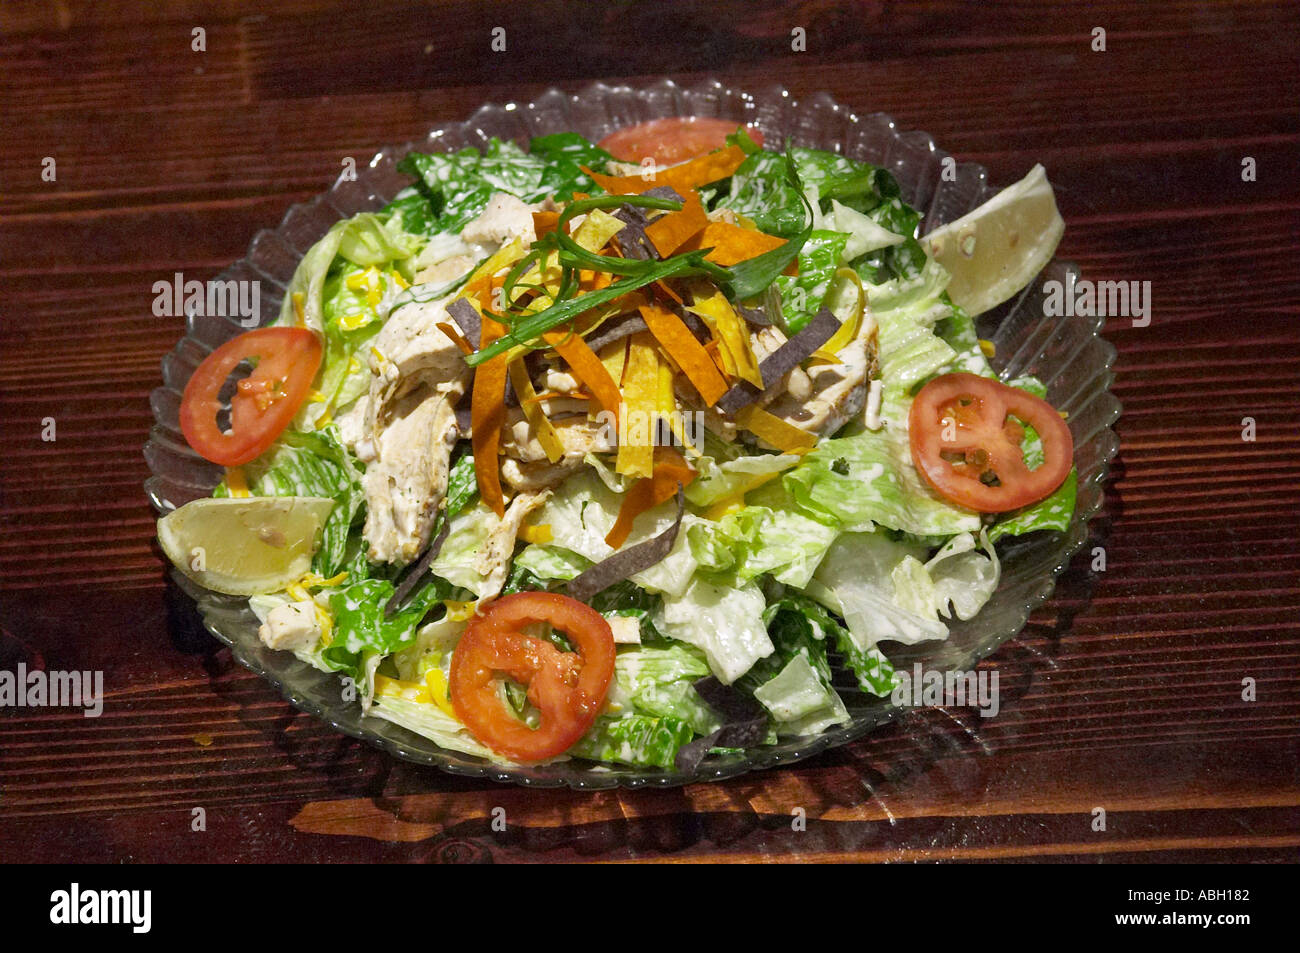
(995, 250)
(247, 545)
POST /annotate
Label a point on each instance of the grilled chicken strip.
(410, 429)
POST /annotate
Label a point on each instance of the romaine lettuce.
(725, 621)
(364, 633)
(794, 682)
(802, 295)
(640, 740)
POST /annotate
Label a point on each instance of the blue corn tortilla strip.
(419, 570)
(663, 192)
(782, 361)
(632, 240)
(692, 321)
(690, 755)
(463, 313)
(754, 315)
(618, 330)
(744, 723)
(627, 562)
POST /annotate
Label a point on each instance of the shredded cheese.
(236, 482)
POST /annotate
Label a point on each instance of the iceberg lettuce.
(770, 536)
(725, 621)
(857, 580)
(430, 721)
(659, 680)
(582, 511)
(641, 740)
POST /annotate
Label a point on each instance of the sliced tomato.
(264, 402)
(966, 443)
(567, 688)
(669, 141)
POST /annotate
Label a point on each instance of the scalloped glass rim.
(1068, 354)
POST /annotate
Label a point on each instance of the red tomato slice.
(264, 402)
(669, 141)
(968, 449)
(568, 688)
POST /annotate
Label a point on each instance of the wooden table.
(1124, 692)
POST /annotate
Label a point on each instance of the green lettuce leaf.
(641, 740)
(432, 722)
(873, 671)
(659, 680)
(718, 480)
(903, 260)
(794, 682)
(802, 295)
(761, 191)
(857, 580)
(725, 621)
(770, 536)
(319, 283)
(628, 599)
(962, 577)
(563, 153)
(546, 562)
(363, 632)
(582, 511)
(1053, 513)
(457, 185)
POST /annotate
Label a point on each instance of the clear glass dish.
(1066, 353)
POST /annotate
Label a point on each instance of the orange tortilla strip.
(588, 368)
(681, 345)
(544, 222)
(670, 469)
(670, 232)
(732, 244)
(689, 175)
(487, 416)
(457, 338)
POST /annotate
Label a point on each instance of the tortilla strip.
(627, 562)
(682, 346)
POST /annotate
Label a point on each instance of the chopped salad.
(617, 451)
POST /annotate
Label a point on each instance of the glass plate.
(1066, 353)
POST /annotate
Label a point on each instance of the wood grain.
(1123, 692)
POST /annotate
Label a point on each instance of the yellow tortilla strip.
(732, 335)
(775, 431)
(641, 401)
(532, 408)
